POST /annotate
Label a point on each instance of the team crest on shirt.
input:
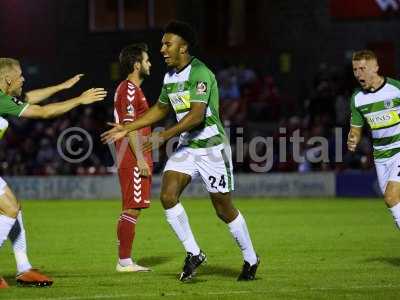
(388, 104)
(130, 110)
(201, 87)
(180, 86)
(17, 101)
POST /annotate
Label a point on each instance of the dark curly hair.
(184, 30)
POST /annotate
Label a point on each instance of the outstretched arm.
(354, 138)
(36, 96)
(56, 109)
(193, 119)
(157, 112)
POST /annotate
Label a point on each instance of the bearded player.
(134, 167)
(191, 91)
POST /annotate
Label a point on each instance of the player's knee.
(222, 213)
(222, 216)
(9, 207)
(391, 199)
(168, 200)
(10, 211)
(226, 213)
(14, 212)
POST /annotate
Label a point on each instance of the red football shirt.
(129, 105)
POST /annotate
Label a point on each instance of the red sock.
(126, 234)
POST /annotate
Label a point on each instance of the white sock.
(238, 229)
(6, 223)
(178, 219)
(396, 214)
(125, 262)
(17, 237)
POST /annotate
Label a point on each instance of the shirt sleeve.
(126, 109)
(357, 119)
(12, 106)
(200, 85)
(163, 95)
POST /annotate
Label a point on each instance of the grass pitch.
(309, 249)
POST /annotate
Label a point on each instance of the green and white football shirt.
(195, 83)
(380, 109)
(11, 105)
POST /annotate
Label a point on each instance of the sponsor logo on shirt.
(385, 119)
(180, 100)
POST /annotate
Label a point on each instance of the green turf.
(310, 249)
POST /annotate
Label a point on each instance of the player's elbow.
(36, 112)
(46, 113)
(197, 120)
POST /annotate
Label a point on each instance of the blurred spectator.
(229, 95)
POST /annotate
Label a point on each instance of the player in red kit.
(134, 166)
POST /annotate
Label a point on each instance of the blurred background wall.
(279, 64)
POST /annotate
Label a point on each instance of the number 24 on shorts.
(222, 182)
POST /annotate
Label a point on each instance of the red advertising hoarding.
(352, 9)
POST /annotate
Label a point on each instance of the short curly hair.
(184, 30)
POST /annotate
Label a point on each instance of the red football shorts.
(136, 190)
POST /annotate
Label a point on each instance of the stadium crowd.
(252, 105)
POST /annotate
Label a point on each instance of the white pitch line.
(289, 290)
(357, 287)
(136, 295)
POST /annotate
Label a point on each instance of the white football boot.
(131, 268)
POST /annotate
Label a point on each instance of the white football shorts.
(214, 166)
(388, 170)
